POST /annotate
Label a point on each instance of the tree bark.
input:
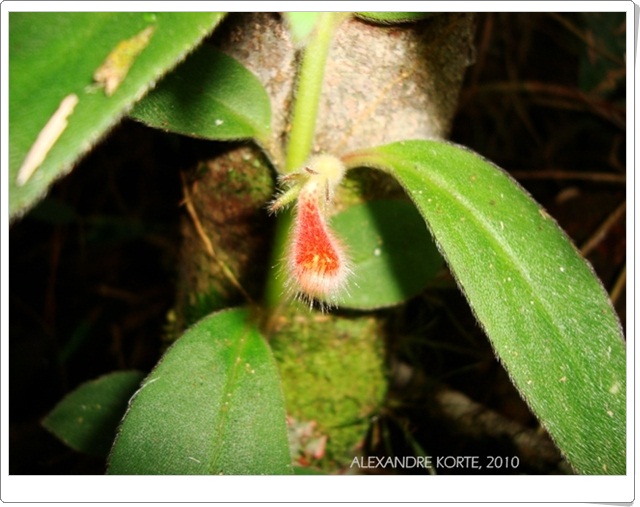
(382, 84)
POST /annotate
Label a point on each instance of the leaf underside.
(209, 96)
(392, 254)
(87, 418)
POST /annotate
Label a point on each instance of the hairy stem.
(305, 112)
(307, 98)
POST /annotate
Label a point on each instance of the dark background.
(92, 268)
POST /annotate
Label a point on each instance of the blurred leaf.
(387, 18)
(55, 54)
(393, 256)
(602, 61)
(211, 96)
(301, 24)
(82, 332)
(213, 405)
(547, 315)
(87, 418)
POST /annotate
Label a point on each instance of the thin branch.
(585, 39)
(541, 91)
(619, 286)
(559, 174)
(601, 232)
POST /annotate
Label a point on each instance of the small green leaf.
(213, 405)
(546, 313)
(211, 96)
(54, 59)
(87, 418)
(387, 18)
(392, 254)
(301, 24)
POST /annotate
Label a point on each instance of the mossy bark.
(227, 196)
(382, 84)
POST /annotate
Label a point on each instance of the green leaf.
(386, 18)
(211, 96)
(301, 24)
(547, 315)
(392, 254)
(54, 55)
(87, 418)
(213, 405)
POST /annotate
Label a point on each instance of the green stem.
(305, 112)
(307, 98)
(275, 284)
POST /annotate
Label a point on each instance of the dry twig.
(207, 242)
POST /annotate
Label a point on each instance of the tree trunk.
(382, 84)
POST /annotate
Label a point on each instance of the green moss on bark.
(333, 373)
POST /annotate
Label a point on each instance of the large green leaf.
(213, 405)
(56, 55)
(547, 315)
(391, 251)
(211, 96)
(87, 418)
